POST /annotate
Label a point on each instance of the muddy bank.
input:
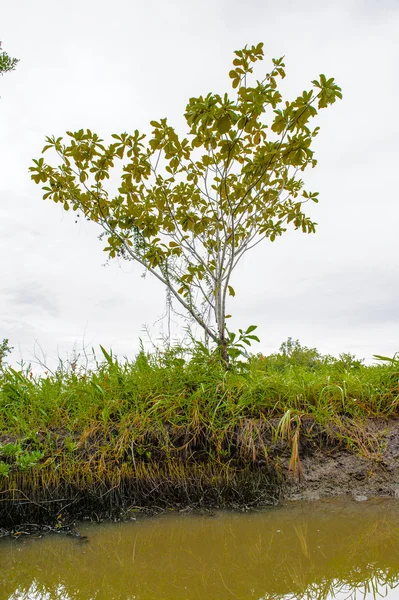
(337, 471)
(310, 462)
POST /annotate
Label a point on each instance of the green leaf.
(108, 357)
(279, 123)
(224, 124)
(231, 291)
(392, 360)
(253, 337)
(98, 388)
(251, 328)
(4, 469)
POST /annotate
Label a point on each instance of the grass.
(169, 425)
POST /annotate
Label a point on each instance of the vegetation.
(188, 209)
(177, 427)
(7, 63)
(4, 350)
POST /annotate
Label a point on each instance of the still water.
(329, 549)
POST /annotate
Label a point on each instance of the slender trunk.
(221, 328)
(224, 355)
(221, 341)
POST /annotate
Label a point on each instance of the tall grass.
(171, 415)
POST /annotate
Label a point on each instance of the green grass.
(169, 415)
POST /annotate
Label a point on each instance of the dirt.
(338, 472)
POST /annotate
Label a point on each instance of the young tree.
(188, 209)
(7, 63)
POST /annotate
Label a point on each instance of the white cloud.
(113, 67)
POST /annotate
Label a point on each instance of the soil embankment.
(338, 470)
(308, 463)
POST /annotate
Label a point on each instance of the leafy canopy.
(188, 208)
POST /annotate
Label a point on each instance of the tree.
(188, 209)
(7, 63)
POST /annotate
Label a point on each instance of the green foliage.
(348, 361)
(10, 449)
(70, 444)
(295, 354)
(393, 360)
(7, 63)
(188, 208)
(295, 378)
(4, 469)
(236, 347)
(16, 455)
(5, 349)
(28, 460)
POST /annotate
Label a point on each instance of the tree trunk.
(224, 355)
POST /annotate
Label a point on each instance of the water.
(332, 549)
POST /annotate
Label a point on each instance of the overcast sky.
(113, 67)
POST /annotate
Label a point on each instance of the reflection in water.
(331, 549)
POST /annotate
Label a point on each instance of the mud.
(338, 471)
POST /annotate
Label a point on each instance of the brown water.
(331, 549)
